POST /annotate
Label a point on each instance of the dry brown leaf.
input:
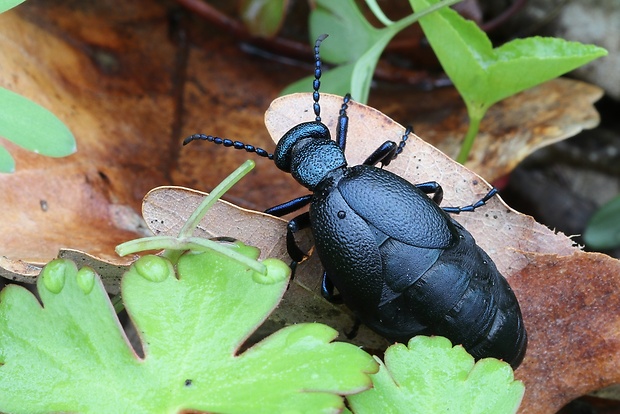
(511, 130)
(107, 97)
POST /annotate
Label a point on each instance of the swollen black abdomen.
(464, 298)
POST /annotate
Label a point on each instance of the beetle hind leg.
(473, 206)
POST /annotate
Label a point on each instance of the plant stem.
(212, 198)
(412, 18)
(376, 10)
(470, 137)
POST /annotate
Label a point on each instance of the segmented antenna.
(316, 84)
(229, 143)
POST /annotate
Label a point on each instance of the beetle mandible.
(397, 259)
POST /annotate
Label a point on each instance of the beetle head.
(308, 153)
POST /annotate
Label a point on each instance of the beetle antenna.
(316, 84)
(228, 143)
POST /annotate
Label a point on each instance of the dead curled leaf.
(567, 296)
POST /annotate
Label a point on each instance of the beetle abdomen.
(465, 298)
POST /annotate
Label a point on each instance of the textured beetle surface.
(397, 258)
(406, 268)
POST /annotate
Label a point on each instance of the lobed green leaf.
(71, 355)
(431, 376)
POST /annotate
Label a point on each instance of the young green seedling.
(484, 75)
(174, 247)
(343, 20)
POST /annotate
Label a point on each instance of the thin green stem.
(470, 137)
(173, 248)
(376, 10)
(216, 194)
(412, 18)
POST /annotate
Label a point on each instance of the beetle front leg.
(297, 255)
(290, 206)
(388, 151)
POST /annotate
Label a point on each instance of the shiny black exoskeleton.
(397, 259)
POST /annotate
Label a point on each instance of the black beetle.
(397, 259)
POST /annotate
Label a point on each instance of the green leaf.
(71, 354)
(263, 17)
(603, 229)
(9, 4)
(336, 80)
(431, 376)
(33, 127)
(343, 21)
(7, 163)
(483, 75)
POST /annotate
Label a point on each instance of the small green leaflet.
(484, 75)
(32, 127)
(9, 4)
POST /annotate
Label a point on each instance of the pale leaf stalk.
(475, 117)
(216, 194)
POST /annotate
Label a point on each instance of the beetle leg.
(473, 206)
(290, 206)
(297, 255)
(343, 124)
(327, 290)
(384, 154)
(388, 151)
(432, 187)
(403, 140)
(355, 329)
